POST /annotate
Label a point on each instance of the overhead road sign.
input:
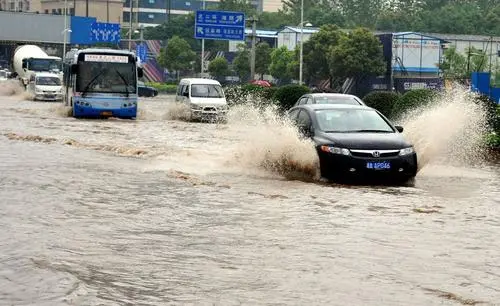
(101, 32)
(219, 25)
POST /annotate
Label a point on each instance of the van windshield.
(206, 91)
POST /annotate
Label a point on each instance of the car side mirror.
(307, 131)
(140, 72)
(185, 94)
(399, 128)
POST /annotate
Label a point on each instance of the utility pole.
(301, 40)
(253, 20)
(65, 28)
(202, 49)
(87, 8)
(130, 26)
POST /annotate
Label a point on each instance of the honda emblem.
(376, 154)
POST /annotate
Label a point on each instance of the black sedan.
(356, 142)
(146, 91)
(329, 98)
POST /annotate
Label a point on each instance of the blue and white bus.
(101, 83)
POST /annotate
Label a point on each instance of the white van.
(45, 86)
(205, 98)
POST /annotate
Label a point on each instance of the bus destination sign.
(106, 58)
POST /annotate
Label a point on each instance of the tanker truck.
(31, 59)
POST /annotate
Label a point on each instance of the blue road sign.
(142, 52)
(219, 25)
(101, 32)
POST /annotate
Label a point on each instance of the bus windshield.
(44, 64)
(106, 77)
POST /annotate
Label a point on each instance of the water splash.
(450, 129)
(177, 111)
(12, 88)
(269, 141)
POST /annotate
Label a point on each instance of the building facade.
(271, 5)
(155, 12)
(15, 5)
(109, 11)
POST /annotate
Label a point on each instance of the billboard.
(414, 52)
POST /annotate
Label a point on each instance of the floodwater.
(164, 212)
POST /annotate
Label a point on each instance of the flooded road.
(165, 212)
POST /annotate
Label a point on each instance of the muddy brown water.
(164, 212)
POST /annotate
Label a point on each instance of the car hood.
(363, 141)
(209, 101)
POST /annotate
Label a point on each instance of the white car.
(204, 97)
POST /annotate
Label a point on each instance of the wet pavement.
(165, 212)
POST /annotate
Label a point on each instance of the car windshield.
(351, 121)
(336, 100)
(49, 81)
(206, 91)
(44, 64)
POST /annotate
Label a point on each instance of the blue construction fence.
(481, 83)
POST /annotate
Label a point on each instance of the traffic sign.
(219, 25)
(142, 52)
(101, 32)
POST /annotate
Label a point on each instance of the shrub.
(162, 87)
(493, 140)
(241, 93)
(288, 95)
(492, 111)
(413, 99)
(383, 101)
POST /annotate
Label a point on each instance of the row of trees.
(329, 53)
(440, 16)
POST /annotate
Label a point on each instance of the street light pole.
(65, 27)
(301, 40)
(202, 49)
(253, 20)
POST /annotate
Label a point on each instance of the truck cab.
(45, 86)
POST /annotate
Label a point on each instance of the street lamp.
(301, 60)
(66, 29)
(302, 39)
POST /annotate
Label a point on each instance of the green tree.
(315, 53)
(361, 12)
(274, 20)
(283, 63)
(241, 63)
(177, 55)
(218, 68)
(358, 53)
(262, 58)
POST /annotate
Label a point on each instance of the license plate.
(106, 113)
(50, 97)
(378, 165)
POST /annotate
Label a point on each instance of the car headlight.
(406, 151)
(335, 150)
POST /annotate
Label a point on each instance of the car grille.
(370, 153)
(209, 109)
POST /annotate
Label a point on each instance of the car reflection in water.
(356, 142)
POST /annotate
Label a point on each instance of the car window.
(351, 120)
(301, 101)
(303, 119)
(185, 89)
(337, 100)
(309, 101)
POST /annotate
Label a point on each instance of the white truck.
(31, 59)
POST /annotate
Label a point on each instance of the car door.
(292, 115)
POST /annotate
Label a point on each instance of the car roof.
(315, 107)
(328, 94)
(199, 81)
